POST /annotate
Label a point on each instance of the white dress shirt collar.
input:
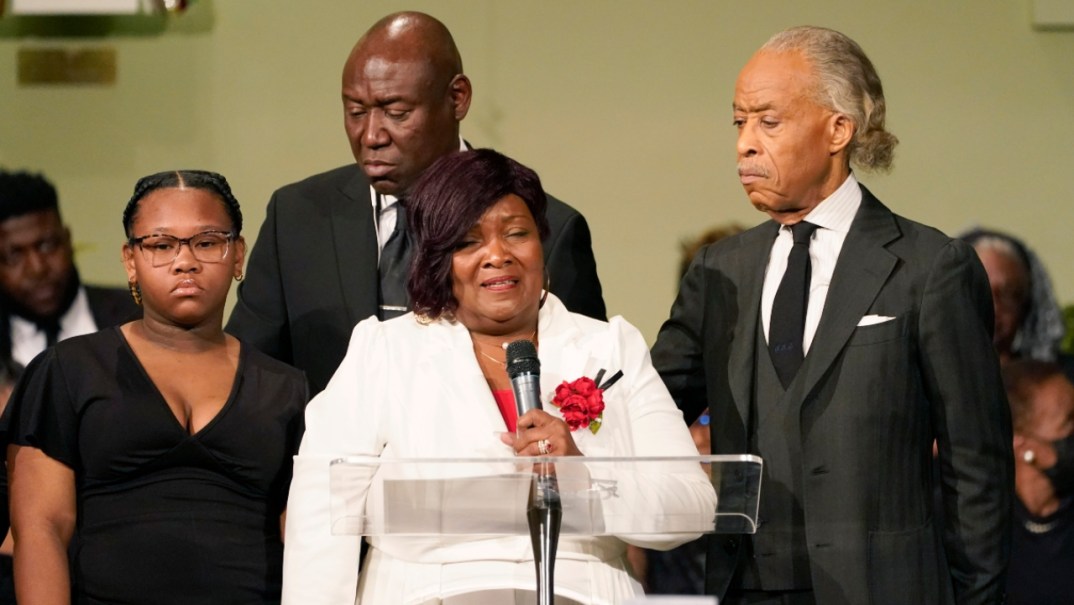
(28, 340)
(836, 212)
(384, 209)
(833, 216)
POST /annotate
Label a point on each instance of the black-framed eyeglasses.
(208, 246)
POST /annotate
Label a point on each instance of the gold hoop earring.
(136, 292)
(239, 277)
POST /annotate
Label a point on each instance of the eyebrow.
(764, 107)
(376, 102)
(514, 218)
(200, 228)
(502, 219)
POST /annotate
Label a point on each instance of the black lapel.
(862, 269)
(751, 264)
(355, 243)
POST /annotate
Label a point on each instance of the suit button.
(819, 470)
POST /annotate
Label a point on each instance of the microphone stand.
(544, 510)
(545, 514)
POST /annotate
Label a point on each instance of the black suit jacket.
(109, 307)
(870, 399)
(312, 275)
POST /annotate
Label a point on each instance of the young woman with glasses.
(150, 462)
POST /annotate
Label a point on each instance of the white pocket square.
(872, 320)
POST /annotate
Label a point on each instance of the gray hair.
(1042, 328)
(1004, 246)
(847, 83)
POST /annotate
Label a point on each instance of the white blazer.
(406, 390)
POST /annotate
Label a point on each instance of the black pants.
(7, 581)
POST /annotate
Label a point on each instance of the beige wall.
(623, 107)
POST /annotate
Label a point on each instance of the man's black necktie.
(52, 332)
(394, 264)
(786, 327)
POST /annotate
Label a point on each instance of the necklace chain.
(502, 346)
(490, 357)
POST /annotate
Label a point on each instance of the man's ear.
(841, 131)
(460, 91)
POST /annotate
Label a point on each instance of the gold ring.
(544, 447)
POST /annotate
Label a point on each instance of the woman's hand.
(1035, 452)
(536, 426)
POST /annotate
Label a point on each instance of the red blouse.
(505, 400)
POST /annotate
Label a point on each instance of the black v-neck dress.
(165, 516)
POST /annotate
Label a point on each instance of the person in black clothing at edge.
(1042, 546)
(1029, 325)
(150, 462)
(42, 298)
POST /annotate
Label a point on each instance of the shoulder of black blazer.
(348, 180)
(111, 306)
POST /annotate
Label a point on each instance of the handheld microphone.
(544, 510)
(524, 370)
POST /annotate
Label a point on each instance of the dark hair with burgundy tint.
(445, 203)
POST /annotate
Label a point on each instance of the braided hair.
(190, 179)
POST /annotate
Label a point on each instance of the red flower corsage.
(582, 402)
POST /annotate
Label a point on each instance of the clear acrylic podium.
(491, 497)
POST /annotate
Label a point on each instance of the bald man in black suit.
(313, 273)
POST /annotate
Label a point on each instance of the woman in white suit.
(433, 383)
